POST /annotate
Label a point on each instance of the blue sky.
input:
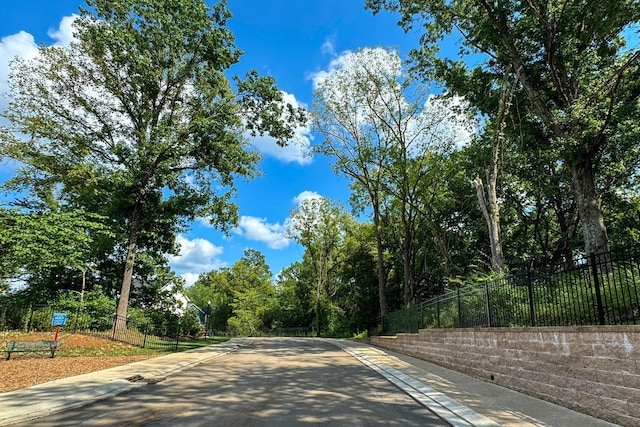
(289, 40)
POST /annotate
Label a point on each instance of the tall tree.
(319, 225)
(342, 113)
(254, 294)
(357, 293)
(293, 291)
(378, 123)
(570, 63)
(138, 116)
(489, 200)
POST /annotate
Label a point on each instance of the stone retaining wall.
(594, 370)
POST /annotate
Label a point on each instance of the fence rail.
(159, 335)
(141, 334)
(598, 289)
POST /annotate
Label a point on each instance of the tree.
(242, 297)
(380, 125)
(319, 225)
(253, 294)
(570, 64)
(342, 112)
(488, 200)
(137, 119)
(293, 290)
(39, 240)
(357, 294)
(215, 288)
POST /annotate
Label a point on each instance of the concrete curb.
(450, 410)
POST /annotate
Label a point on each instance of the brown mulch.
(25, 370)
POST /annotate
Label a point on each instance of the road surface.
(272, 383)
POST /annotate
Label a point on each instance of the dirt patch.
(24, 372)
(79, 354)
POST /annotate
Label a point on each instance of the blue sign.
(59, 319)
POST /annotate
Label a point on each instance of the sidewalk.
(463, 400)
(459, 399)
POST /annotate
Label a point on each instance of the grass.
(190, 344)
(93, 346)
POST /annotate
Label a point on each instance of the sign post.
(58, 319)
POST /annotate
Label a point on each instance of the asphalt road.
(274, 382)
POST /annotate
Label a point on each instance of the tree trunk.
(382, 299)
(318, 292)
(489, 201)
(407, 267)
(132, 246)
(407, 237)
(441, 242)
(490, 210)
(589, 208)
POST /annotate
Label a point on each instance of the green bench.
(32, 347)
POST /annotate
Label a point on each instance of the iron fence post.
(459, 310)
(29, 322)
(146, 331)
(438, 311)
(178, 335)
(596, 283)
(486, 291)
(421, 324)
(115, 325)
(531, 305)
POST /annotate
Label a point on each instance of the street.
(273, 382)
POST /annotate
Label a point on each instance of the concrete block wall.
(594, 370)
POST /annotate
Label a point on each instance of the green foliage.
(190, 325)
(95, 312)
(40, 240)
(242, 298)
(320, 226)
(293, 291)
(215, 288)
(565, 296)
(575, 88)
(138, 122)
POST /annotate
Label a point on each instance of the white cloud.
(274, 235)
(196, 256)
(23, 45)
(190, 278)
(63, 36)
(335, 64)
(328, 47)
(305, 195)
(298, 150)
(260, 230)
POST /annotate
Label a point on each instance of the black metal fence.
(142, 334)
(598, 289)
(162, 333)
